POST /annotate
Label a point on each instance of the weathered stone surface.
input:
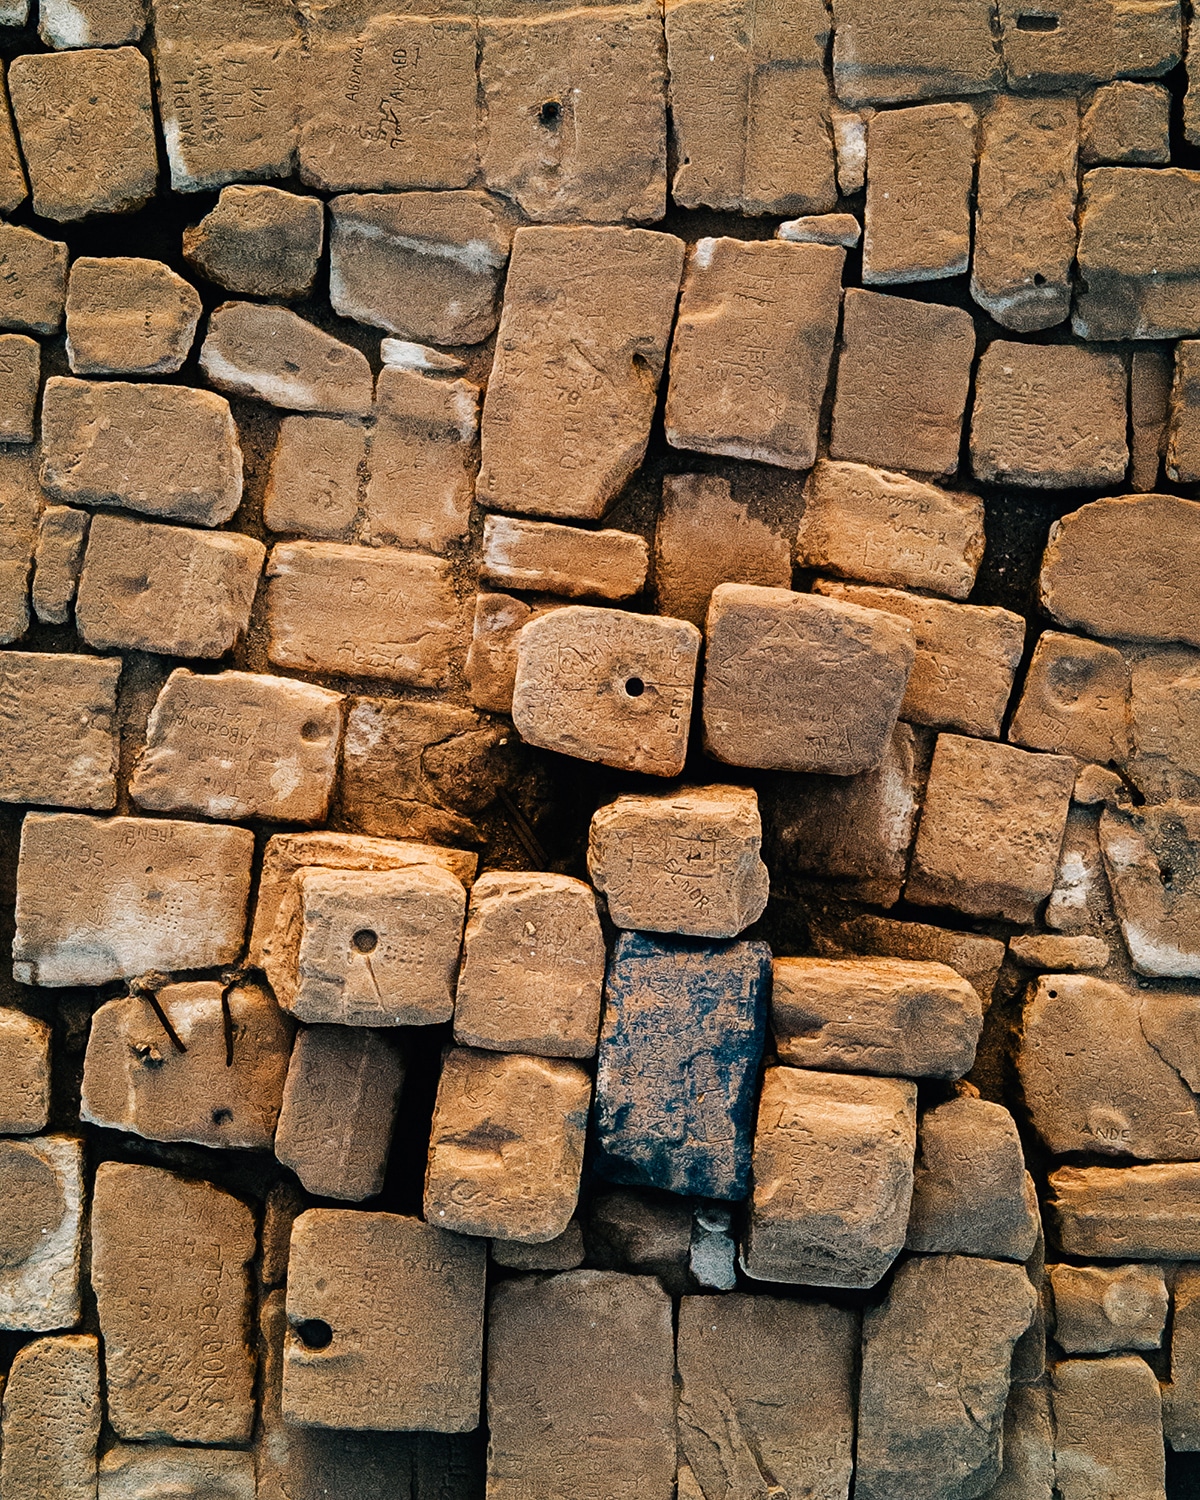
(849, 129)
(61, 537)
(1091, 41)
(611, 294)
(1164, 711)
(270, 352)
(1025, 215)
(1103, 1309)
(168, 589)
(240, 745)
(127, 316)
(14, 188)
(1128, 1213)
(1183, 435)
(1149, 402)
(693, 1013)
(563, 1253)
(1150, 857)
(821, 229)
(404, 1303)
(776, 662)
(24, 1073)
(491, 665)
(549, 1342)
(752, 347)
(315, 479)
(506, 1145)
(57, 720)
(920, 172)
(166, 450)
(33, 281)
(902, 381)
(1181, 1398)
(362, 611)
(52, 1414)
(935, 1377)
(1050, 416)
(1108, 1430)
(339, 1106)
(893, 1016)
(1075, 700)
(368, 948)
(146, 1471)
(91, 23)
(553, 559)
(640, 1231)
(403, 354)
(21, 502)
(1027, 1448)
(977, 959)
(991, 828)
(888, 54)
(86, 123)
(607, 686)
(425, 266)
(41, 1179)
(20, 374)
(1127, 124)
(215, 1077)
(532, 971)
(1081, 900)
(258, 242)
(833, 1177)
(1057, 953)
(735, 1354)
(106, 898)
(172, 1253)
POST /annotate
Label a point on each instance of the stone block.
(920, 173)
(258, 242)
(58, 715)
(52, 1415)
(1181, 1406)
(491, 666)
(107, 898)
(1183, 433)
(822, 229)
(794, 682)
(21, 501)
(902, 379)
(24, 1073)
(553, 559)
(680, 1045)
(1149, 402)
(1164, 712)
(1075, 700)
(887, 54)
(41, 1240)
(252, 349)
(20, 376)
(1127, 124)
(314, 486)
(752, 348)
(385, 1324)
(894, 1016)
(1090, 41)
(991, 828)
(506, 1145)
(1150, 857)
(61, 538)
(976, 958)
(240, 745)
(1105, 1309)
(147, 1471)
(612, 293)
(563, 1253)
(1027, 1446)
(1057, 953)
(33, 281)
(642, 1231)
(1081, 901)
(1108, 1430)
(1127, 1213)
(532, 971)
(127, 316)
(833, 1177)
(91, 23)
(172, 1253)
(14, 188)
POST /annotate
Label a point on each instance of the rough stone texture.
(425, 266)
(167, 450)
(1092, 41)
(1149, 402)
(850, 142)
(146, 1471)
(1050, 416)
(20, 505)
(57, 714)
(215, 1078)
(628, 1230)
(1075, 700)
(284, 1205)
(579, 303)
(90, 897)
(991, 828)
(1127, 1213)
(776, 662)
(172, 1253)
(1150, 857)
(563, 1253)
(14, 188)
(977, 959)
(935, 1377)
(33, 281)
(1025, 215)
(687, 862)
(1103, 1309)
(680, 1045)
(1028, 1446)
(167, 589)
(833, 1177)
(920, 172)
(1081, 901)
(20, 374)
(552, 559)
(1163, 709)
(735, 1355)
(1108, 1430)
(339, 1107)
(86, 124)
(752, 348)
(24, 1073)
(1126, 123)
(273, 354)
(1056, 953)
(902, 379)
(532, 971)
(314, 482)
(549, 1340)
(52, 1414)
(1181, 1406)
(607, 686)
(1183, 436)
(893, 1016)
(506, 1145)
(866, 523)
(889, 54)
(403, 354)
(491, 665)
(404, 1302)
(240, 745)
(822, 229)
(127, 316)
(362, 611)
(258, 242)
(42, 1238)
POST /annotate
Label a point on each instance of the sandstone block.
(339, 1107)
(315, 479)
(24, 1073)
(1091, 41)
(1149, 403)
(1127, 1213)
(1057, 953)
(1027, 1447)
(106, 898)
(252, 349)
(41, 1179)
(612, 293)
(425, 266)
(58, 716)
(20, 375)
(563, 1253)
(777, 662)
(549, 1341)
(169, 1252)
(1127, 124)
(91, 23)
(14, 187)
(833, 1177)
(52, 1415)
(991, 828)
(33, 281)
(506, 1145)
(168, 589)
(1181, 1410)
(1108, 1430)
(1183, 435)
(850, 142)
(21, 501)
(385, 1318)
(552, 559)
(1150, 857)
(258, 242)
(822, 229)
(1163, 709)
(146, 1471)
(533, 966)
(1075, 700)
(61, 538)
(902, 380)
(920, 172)
(977, 959)
(240, 745)
(889, 54)
(680, 1045)
(127, 316)
(491, 665)
(893, 1016)
(1104, 1309)
(752, 347)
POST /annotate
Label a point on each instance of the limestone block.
(24, 1073)
(107, 898)
(1108, 1430)
(33, 281)
(127, 316)
(920, 173)
(1150, 857)
(822, 229)
(1127, 1213)
(491, 666)
(14, 188)
(1181, 1408)
(146, 1471)
(1058, 953)
(1027, 1447)
(1164, 712)
(680, 1045)
(252, 349)
(41, 1240)
(533, 966)
(91, 23)
(20, 505)
(976, 958)
(314, 484)
(552, 559)
(57, 713)
(258, 242)
(1104, 1309)
(52, 1414)
(1149, 401)
(20, 376)
(1091, 40)
(284, 1205)
(563, 1253)
(1081, 901)
(1075, 700)
(1127, 124)
(833, 1177)
(889, 53)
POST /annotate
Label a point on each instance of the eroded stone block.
(1108, 1430)
(1183, 435)
(552, 559)
(1164, 708)
(127, 316)
(14, 188)
(316, 477)
(1103, 1309)
(61, 537)
(252, 349)
(1150, 856)
(20, 506)
(1090, 41)
(1058, 953)
(57, 714)
(563, 1253)
(1181, 1408)
(821, 229)
(1126, 123)
(1128, 1213)
(91, 23)
(24, 1073)
(887, 54)
(145, 1471)
(259, 242)
(976, 958)
(41, 1179)
(920, 172)
(33, 280)
(20, 377)
(1075, 700)
(1149, 403)
(52, 1415)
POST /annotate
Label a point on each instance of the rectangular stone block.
(1128, 1213)
(551, 559)
(20, 373)
(144, 1471)
(1090, 41)
(20, 504)
(1181, 1397)
(315, 479)
(1075, 700)
(33, 281)
(57, 716)
(91, 23)
(272, 354)
(1149, 402)
(42, 1181)
(920, 172)
(58, 558)
(14, 188)
(52, 1415)
(1108, 1430)
(1104, 1309)
(976, 958)
(129, 316)
(24, 1073)
(889, 53)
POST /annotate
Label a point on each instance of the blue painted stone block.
(680, 1046)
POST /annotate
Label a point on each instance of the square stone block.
(58, 714)
(1105, 1309)
(129, 316)
(1075, 700)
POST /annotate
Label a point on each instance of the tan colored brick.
(888, 54)
(58, 714)
(20, 506)
(1075, 700)
(41, 1178)
(33, 281)
(58, 558)
(52, 1416)
(137, 1471)
(1108, 1430)
(315, 479)
(1149, 402)
(91, 23)
(258, 242)
(920, 173)
(1126, 123)
(25, 1071)
(1164, 711)
(1091, 41)
(1150, 856)
(20, 376)
(1127, 1213)
(127, 316)
(1105, 1309)
(552, 559)
(252, 349)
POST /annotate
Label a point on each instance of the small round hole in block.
(634, 687)
(364, 940)
(314, 1333)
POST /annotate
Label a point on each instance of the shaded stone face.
(1075, 700)
(920, 171)
(58, 713)
(271, 353)
(552, 559)
(258, 242)
(127, 316)
(1108, 1429)
(24, 1073)
(1099, 1309)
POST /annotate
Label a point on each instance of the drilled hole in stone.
(1039, 279)
(222, 1116)
(314, 1333)
(310, 730)
(364, 940)
(550, 113)
(1036, 21)
(634, 687)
